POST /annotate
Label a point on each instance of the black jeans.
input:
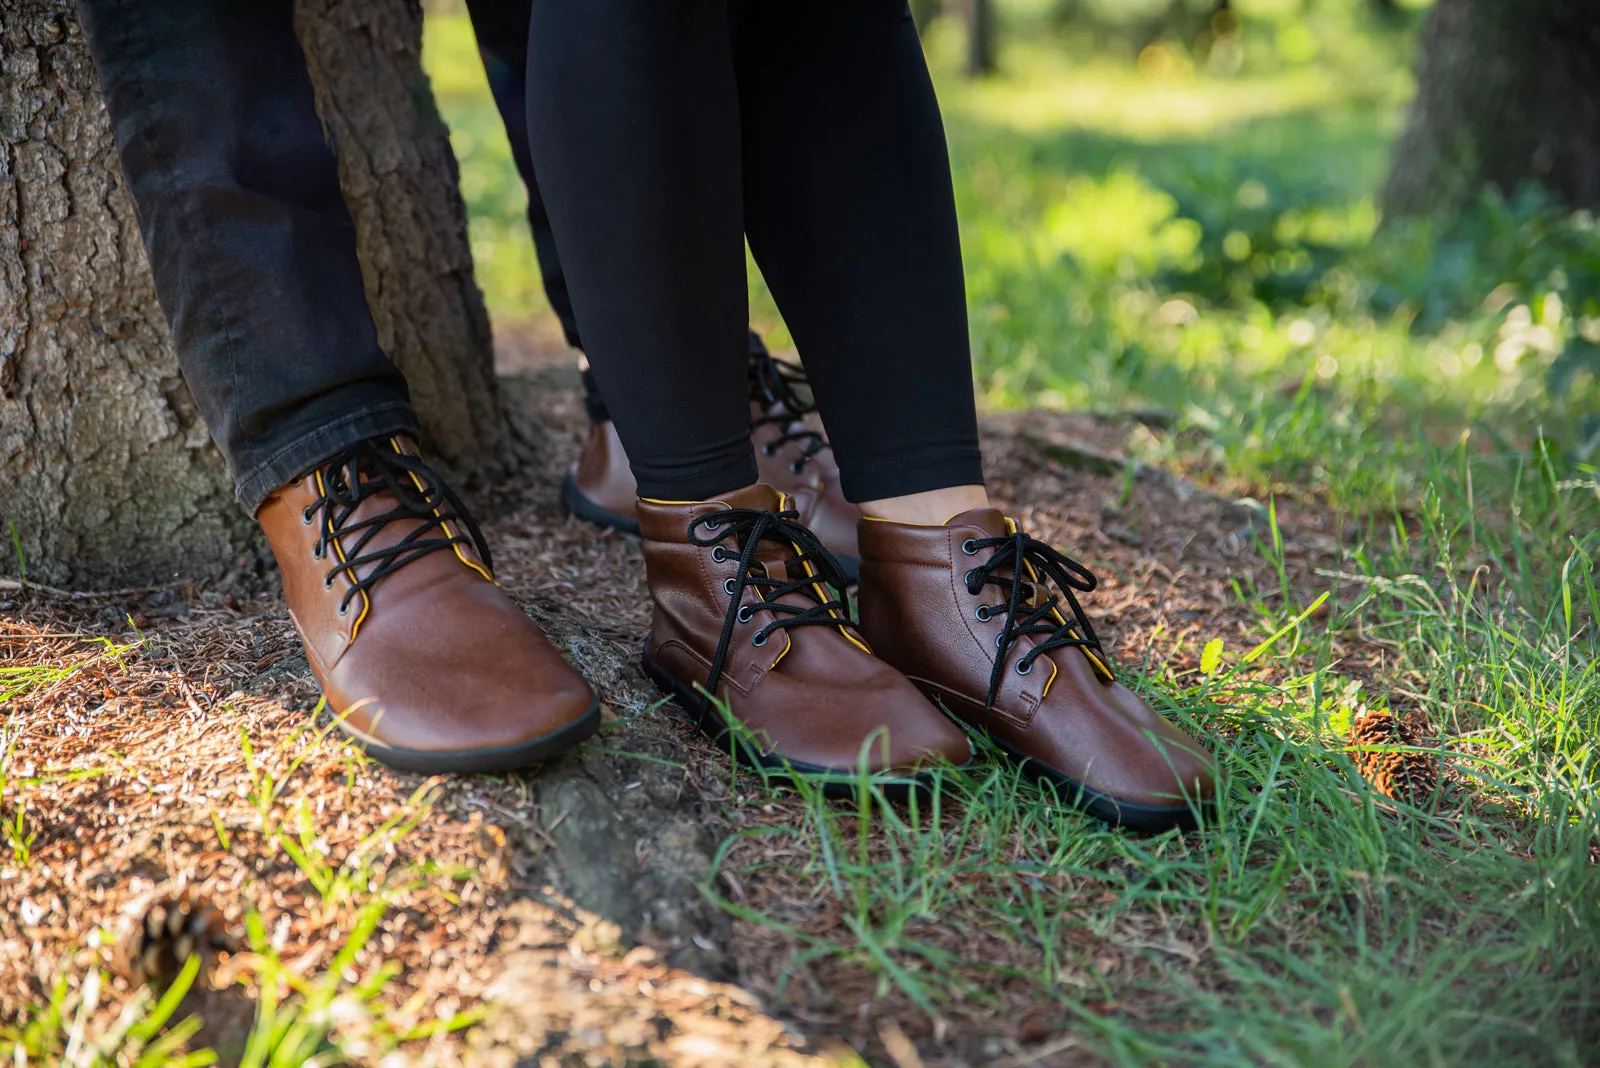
(664, 132)
(250, 244)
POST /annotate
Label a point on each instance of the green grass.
(1200, 233)
(1312, 922)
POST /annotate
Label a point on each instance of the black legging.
(666, 131)
(501, 27)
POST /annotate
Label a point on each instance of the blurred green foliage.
(1163, 207)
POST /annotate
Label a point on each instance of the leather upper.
(1065, 712)
(813, 694)
(812, 485)
(602, 473)
(434, 656)
(603, 476)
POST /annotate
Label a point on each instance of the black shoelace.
(749, 528)
(776, 386)
(368, 468)
(1023, 616)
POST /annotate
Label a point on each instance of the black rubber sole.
(584, 508)
(1146, 819)
(497, 760)
(774, 769)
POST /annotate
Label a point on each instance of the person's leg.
(501, 27)
(850, 213)
(424, 660)
(249, 241)
(634, 130)
(600, 486)
(634, 127)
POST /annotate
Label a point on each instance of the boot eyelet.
(718, 553)
(983, 613)
(316, 553)
(305, 516)
(970, 547)
(769, 449)
(327, 583)
(728, 587)
(344, 609)
(967, 578)
(1024, 666)
(1000, 639)
(746, 613)
(797, 467)
(760, 639)
(712, 524)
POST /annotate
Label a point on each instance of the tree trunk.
(400, 181)
(107, 475)
(982, 39)
(1507, 91)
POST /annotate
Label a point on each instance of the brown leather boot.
(743, 611)
(423, 658)
(600, 486)
(797, 461)
(964, 611)
(790, 457)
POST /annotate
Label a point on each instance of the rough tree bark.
(1507, 91)
(107, 475)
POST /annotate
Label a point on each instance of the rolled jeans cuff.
(305, 452)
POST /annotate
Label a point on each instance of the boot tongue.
(381, 501)
(772, 554)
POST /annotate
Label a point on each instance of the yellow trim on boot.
(904, 523)
(338, 547)
(1033, 573)
(394, 443)
(822, 592)
(682, 504)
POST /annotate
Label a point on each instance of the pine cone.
(164, 928)
(1411, 777)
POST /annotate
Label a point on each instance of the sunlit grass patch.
(1310, 914)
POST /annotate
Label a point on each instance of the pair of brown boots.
(958, 628)
(431, 667)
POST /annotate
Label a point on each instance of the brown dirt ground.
(487, 916)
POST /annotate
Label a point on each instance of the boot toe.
(489, 694)
(1188, 772)
(929, 740)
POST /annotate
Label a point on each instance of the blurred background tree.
(1508, 91)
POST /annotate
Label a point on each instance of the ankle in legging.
(664, 134)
